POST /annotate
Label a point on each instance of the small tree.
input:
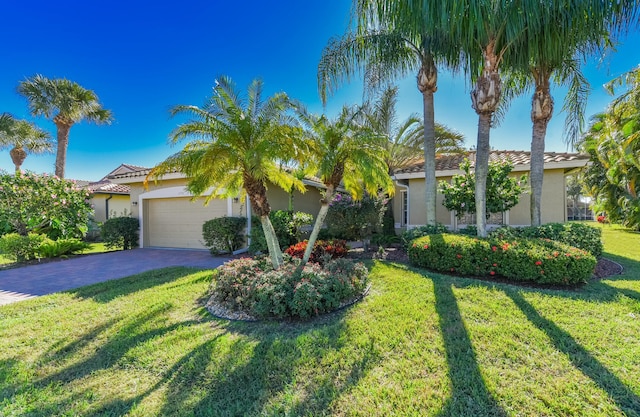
(503, 191)
(44, 204)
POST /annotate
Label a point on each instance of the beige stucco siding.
(554, 202)
(177, 222)
(309, 202)
(118, 204)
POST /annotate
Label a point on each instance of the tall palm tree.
(345, 153)
(569, 30)
(404, 140)
(237, 144)
(23, 138)
(66, 103)
(392, 40)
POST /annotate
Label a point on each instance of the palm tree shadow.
(469, 392)
(624, 397)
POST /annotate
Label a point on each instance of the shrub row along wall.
(541, 261)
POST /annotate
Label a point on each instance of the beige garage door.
(177, 222)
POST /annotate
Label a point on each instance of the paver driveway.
(34, 280)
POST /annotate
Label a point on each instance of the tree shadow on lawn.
(470, 395)
(266, 368)
(104, 292)
(624, 397)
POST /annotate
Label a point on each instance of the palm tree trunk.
(275, 253)
(485, 98)
(18, 155)
(322, 215)
(63, 143)
(481, 171)
(427, 84)
(541, 113)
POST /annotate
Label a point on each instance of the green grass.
(420, 344)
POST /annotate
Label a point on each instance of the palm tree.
(66, 103)
(392, 40)
(23, 138)
(348, 154)
(569, 29)
(405, 140)
(238, 143)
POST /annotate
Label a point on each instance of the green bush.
(61, 247)
(409, 235)
(20, 248)
(355, 220)
(287, 225)
(120, 232)
(542, 261)
(253, 286)
(573, 234)
(224, 234)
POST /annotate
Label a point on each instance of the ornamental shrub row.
(573, 234)
(541, 261)
(253, 286)
(323, 250)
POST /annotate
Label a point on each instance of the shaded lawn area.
(420, 344)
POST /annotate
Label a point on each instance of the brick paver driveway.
(34, 280)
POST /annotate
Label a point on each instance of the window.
(404, 209)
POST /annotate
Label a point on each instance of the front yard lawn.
(95, 247)
(420, 344)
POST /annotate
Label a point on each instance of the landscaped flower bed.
(254, 287)
(541, 261)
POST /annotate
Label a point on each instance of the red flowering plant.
(322, 250)
(602, 219)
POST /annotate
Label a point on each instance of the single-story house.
(170, 218)
(109, 199)
(410, 189)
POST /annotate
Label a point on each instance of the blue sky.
(143, 57)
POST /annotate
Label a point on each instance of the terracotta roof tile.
(449, 162)
(107, 187)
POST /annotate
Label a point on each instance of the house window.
(404, 209)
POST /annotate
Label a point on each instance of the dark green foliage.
(287, 225)
(61, 247)
(469, 230)
(355, 220)
(429, 229)
(224, 234)
(21, 248)
(573, 234)
(253, 286)
(120, 232)
(542, 261)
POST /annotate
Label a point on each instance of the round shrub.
(224, 234)
(541, 261)
(253, 286)
(120, 232)
(21, 248)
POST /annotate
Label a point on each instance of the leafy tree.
(613, 142)
(23, 138)
(237, 144)
(345, 153)
(66, 103)
(44, 204)
(503, 190)
(391, 39)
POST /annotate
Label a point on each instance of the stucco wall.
(309, 202)
(118, 204)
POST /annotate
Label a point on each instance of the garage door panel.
(177, 222)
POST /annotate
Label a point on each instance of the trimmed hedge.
(541, 261)
(253, 286)
(410, 235)
(573, 234)
(120, 232)
(224, 234)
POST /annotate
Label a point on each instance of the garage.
(177, 222)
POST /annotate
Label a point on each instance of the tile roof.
(107, 187)
(124, 169)
(449, 162)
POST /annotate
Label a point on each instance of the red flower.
(538, 263)
(505, 246)
(426, 246)
(458, 256)
(493, 248)
(492, 273)
(495, 264)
